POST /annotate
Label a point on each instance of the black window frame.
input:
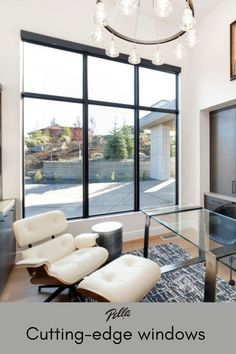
(85, 51)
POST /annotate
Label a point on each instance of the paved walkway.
(104, 197)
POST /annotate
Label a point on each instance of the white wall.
(210, 87)
(133, 225)
(58, 18)
(204, 82)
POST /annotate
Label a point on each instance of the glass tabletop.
(169, 209)
(229, 262)
(203, 228)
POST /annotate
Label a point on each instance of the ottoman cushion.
(126, 279)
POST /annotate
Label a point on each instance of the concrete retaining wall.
(99, 170)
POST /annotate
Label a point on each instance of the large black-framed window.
(96, 143)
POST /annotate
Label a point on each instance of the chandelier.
(160, 11)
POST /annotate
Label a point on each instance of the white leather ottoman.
(126, 279)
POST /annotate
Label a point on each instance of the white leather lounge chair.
(54, 259)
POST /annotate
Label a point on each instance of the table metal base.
(182, 264)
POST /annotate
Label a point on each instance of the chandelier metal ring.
(162, 9)
(146, 42)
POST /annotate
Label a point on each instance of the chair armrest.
(86, 240)
(33, 263)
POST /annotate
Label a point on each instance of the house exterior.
(160, 126)
(56, 131)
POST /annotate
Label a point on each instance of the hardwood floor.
(19, 288)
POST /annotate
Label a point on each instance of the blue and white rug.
(185, 284)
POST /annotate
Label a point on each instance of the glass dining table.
(213, 234)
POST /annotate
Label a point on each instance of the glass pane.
(52, 71)
(157, 153)
(157, 89)
(53, 157)
(111, 160)
(203, 228)
(110, 81)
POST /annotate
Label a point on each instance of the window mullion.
(85, 138)
(136, 140)
(177, 142)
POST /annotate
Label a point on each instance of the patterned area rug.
(183, 285)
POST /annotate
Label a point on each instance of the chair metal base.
(231, 282)
(73, 294)
(46, 287)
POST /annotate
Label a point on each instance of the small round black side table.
(110, 237)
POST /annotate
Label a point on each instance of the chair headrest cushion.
(39, 227)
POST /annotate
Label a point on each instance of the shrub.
(113, 176)
(146, 175)
(38, 176)
(97, 178)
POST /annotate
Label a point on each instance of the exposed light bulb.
(192, 38)
(188, 21)
(157, 57)
(163, 8)
(134, 57)
(112, 50)
(180, 51)
(98, 34)
(127, 7)
(100, 16)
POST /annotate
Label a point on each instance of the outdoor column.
(160, 152)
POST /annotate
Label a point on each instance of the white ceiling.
(204, 7)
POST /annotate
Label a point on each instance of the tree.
(53, 121)
(36, 138)
(144, 143)
(67, 132)
(127, 133)
(92, 123)
(116, 146)
(77, 123)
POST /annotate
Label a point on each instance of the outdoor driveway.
(104, 197)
